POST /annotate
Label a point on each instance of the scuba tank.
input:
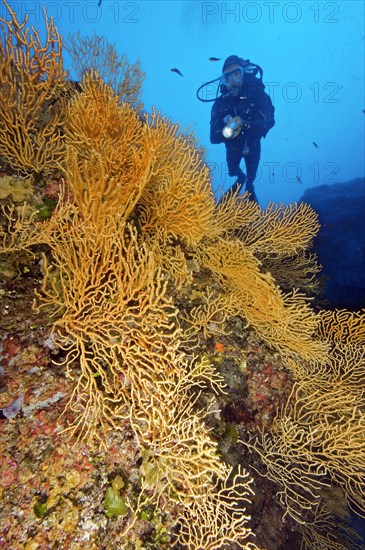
(251, 70)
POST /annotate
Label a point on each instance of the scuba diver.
(240, 117)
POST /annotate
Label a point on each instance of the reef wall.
(340, 242)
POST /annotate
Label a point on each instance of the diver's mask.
(232, 78)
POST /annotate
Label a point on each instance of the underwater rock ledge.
(340, 242)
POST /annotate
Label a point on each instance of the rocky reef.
(340, 242)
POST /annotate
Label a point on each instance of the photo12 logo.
(289, 172)
(292, 92)
(271, 12)
(71, 11)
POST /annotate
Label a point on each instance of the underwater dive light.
(230, 126)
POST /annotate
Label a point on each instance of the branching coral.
(322, 533)
(211, 314)
(181, 462)
(110, 305)
(32, 86)
(280, 237)
(281, 229)
(107, 161)
(125, 161)
(343, 327)
(345, 331)
(286, 321)
(178, 199)
(299, 271)
(233, 213)
(222, 518)
(20, 231)
(318, 438)
(95, 53)
(117, 321)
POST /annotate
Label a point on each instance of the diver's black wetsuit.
(254, 105)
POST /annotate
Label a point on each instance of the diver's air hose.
(203, 86)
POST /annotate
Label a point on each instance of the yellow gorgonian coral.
(32, 87)
(285, 321)
(94, 52)
(107, 161)
(178, 199)
(316, 441)
(281, 229)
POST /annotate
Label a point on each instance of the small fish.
(215, 58)
(99, 3)
(298, 179)
(363, 111)
(315, 145)
(175, 70)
